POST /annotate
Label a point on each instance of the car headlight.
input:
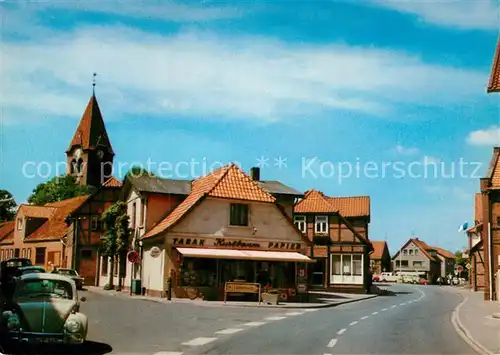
(72, 326)
(12, 320)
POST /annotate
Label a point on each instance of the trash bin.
(136, 287)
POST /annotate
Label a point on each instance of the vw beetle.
(44, 309)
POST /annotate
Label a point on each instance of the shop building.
(228, 228)
(340, 248)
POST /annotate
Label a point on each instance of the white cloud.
(461, 14)
(206, 75)
(406, 151)
(489, 136)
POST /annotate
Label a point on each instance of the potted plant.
(270, 296)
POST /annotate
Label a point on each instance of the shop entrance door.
(318, 274)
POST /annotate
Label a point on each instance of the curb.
(206, 304)
(464, 332)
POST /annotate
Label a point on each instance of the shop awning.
(244, 254)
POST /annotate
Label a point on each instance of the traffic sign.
(460, 268)
(133, 256)
(468, 266)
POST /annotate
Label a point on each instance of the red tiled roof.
(7, 232)
(494, 82)
(91, 131)
(316, 202)
(378, 249)
(445, 253)
(478, 206)
(112, 182)
(55, 227)
(228, 182)
(34, 211)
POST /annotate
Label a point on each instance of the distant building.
(380, 259)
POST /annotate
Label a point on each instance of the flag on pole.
(463, 227)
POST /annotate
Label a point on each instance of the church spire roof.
(91, 132)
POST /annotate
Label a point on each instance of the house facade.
(380, 259)
(227, 228)
(417, 256)
(475, 248)
(339, 246)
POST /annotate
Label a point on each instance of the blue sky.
(340, 84)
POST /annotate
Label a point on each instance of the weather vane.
(93, 83)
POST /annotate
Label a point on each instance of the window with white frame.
(410, 252)
(300, 222)
(321, 224)
(347, 264)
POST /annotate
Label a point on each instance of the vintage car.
(45, 309)
(30, 269)
(71, 273)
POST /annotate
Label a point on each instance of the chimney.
(255, 174)
(496, 149)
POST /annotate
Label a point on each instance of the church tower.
(90, 156)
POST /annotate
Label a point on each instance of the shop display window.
(199, 272)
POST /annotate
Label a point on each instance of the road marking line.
(332, 343)
(229, 331)
(294, 313)
(394, 306)
(375, 313)
(384, 309)
(168, 353)
(327, 354)
(254, 324)
(311, 310)
(353, 323)
(364, 317)
(341, 331)
(275, 318)
(402, 304)
(199, 341)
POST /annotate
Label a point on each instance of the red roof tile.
(7, 232)
(34, 211)
(112, 182)
(316, 202)
(445, 253)
(378, 249)
(91, 131)
(228, 182)
(494, 83)
(55, 227)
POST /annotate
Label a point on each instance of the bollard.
(169, 288)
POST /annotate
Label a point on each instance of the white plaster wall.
(153, 269)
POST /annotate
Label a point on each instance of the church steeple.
(90, 154)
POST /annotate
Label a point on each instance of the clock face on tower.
(100, 154)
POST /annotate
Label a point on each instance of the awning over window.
(244, 254)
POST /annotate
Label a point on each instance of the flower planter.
(270, 298)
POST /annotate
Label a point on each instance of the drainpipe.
(490, 262)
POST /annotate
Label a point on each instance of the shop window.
(86, 254)
(336, 265)
(199, 272)
(17, 253)
(321, 224)
(238, 215)
(23, 253)
(347, 264)
(28, 253)
(40, 256)
(300, 222)
(357, 265)
(104, 265)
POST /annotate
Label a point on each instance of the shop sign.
(230, 243)
(241, 287)
(302, 288)
(284, 246)
(155, 252)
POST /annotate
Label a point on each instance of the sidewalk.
(323, 300)
(474, 322)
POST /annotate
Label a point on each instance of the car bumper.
(46, 338)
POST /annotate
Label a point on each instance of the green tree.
(116, 240)
(57, 189)
(8, 206)
(137, 171)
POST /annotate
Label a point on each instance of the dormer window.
(300, 222)
(321, 224)
(19, 223)
(238, 215)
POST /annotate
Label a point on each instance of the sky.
(380, 98)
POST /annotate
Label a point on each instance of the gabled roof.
(421, 245)
(378, 249)
(7, 232)
(91, 132)
(112, 182)
(494, 82)
(228, 182)
(55, 227)
(444, 253)
(317, 202)
(35, 211)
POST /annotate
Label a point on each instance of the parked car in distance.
(388, 277)
(30, 269)
(73, 274)
(423, 282)
(45, 309)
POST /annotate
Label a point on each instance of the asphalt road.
(414, 320)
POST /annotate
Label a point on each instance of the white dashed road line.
(254, 324)
(384, 309)
(374, 313)
(353, 323)
(275, 318)
(294, 313)
(341, 331)
(332, 343)
(402, 304)
(363, 318)
(199, 341)
(311, 310)
(394, 306)
(229, 331)
(168, 353)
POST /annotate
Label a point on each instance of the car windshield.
(30, 271)
(42, 288)
(67, 272)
